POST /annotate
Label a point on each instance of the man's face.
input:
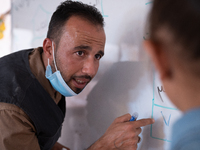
(80, 48)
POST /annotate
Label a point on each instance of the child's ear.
(159, 58)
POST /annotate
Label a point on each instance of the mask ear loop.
(54, 57)
(48, 61)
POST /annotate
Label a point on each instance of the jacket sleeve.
(16, 129)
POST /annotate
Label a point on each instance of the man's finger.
(143, 122)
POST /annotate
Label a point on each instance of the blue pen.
(134, 116)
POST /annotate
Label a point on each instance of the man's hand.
(58, 146)
(122, 134)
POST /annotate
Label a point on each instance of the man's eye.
(80, 53)
(98, 56)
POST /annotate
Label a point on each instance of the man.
(34, 83)
(174, 46)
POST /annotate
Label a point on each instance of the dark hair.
(68, 9)
(180, 21)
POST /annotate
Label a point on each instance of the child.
(174, 47)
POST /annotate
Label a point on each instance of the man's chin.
(78, 91)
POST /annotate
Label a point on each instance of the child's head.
(174, 28)
(175, 24)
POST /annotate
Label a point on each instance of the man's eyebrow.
(82, 47)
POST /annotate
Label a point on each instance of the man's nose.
(90, 67)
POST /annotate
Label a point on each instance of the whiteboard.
(125, 83)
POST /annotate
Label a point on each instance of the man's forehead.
(77, 22)
(81, 32)
(88, 34)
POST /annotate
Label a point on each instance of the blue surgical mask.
(57, 80)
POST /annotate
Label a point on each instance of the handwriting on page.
(160, 89)
(168, 113)
(22, 3)
(148, 3)
(98, 4)
(166, 121)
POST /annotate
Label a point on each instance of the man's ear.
(47, 48)
(159, 58)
